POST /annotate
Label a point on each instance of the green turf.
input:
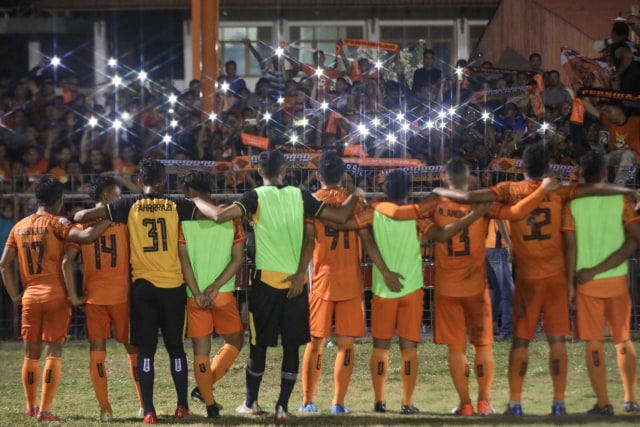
(75, 404)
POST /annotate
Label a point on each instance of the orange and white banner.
(255, 141)
(368, 44)
(515, 166)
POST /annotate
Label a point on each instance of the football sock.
(378, 366)
(30, 377)
(627, 365)
(485, 366)
(98, 375)
(180, 375)
(50, 381)
(597, 371)
(289, 374)
(223, 360)
(146, 375)
(518, 363)
(311, 368)
(204, 378)
(342, 369)
(459, 371)
(558, 368)
(254, 371)
(409, 370)
(133, 372)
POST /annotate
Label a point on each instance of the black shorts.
(154, 308)
(272, 313)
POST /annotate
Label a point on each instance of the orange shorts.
(224, 317)
(457, 316)
(592, 312)
(402, 314)
(100, 319)
(348, 314)
(46, 321)
(549, 296)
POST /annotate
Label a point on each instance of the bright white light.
(293, 139)
(400, 117)
(324, 106)
(173, 123)
(55, 61)
(452, 111)
(406, 126)
(142, 75)
(112, 62)
(125, 116)
(93, 121)
(224, 87)
(304, 121)
(166, 138)
(117, 80)
(267, 116)
(117, 124)
(363, 129)
(429, 124)
(391, 138)
(171, 111)
(544, 126)
(486, 116)
(442, 114)
(459, 72)
(280, 100)
(443, 125)
(375, 122)
(279, 51)
(213, 117)
(378, 64)
(318, 72)
(173, 99)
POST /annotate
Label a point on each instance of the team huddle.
(149, 258)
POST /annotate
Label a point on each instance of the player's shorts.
(593, 312)
(100, 318)
(549, 296)
(271, 314)
(224, 317)
(457, 316)
(403, 314)
(154, 308)
(348, 314)
(45, 321)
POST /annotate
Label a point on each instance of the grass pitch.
(75, 403)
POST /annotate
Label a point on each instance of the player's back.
(106, 268)
(337, 255)
(39, 242)
(537, 240)
(460, 266)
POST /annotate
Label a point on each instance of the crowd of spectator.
(50, 125)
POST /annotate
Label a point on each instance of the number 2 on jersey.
(538, 219)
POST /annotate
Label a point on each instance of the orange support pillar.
(210, 23)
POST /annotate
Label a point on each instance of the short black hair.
(429, 52)
(398, 184)
(535, 55)
(98, 187)
(49, 190)
(457, 170)
(198, 180)
(152, 172)
(620, 28)
(331, 168)
(592, 166)
(535, 160)
(271, 162)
